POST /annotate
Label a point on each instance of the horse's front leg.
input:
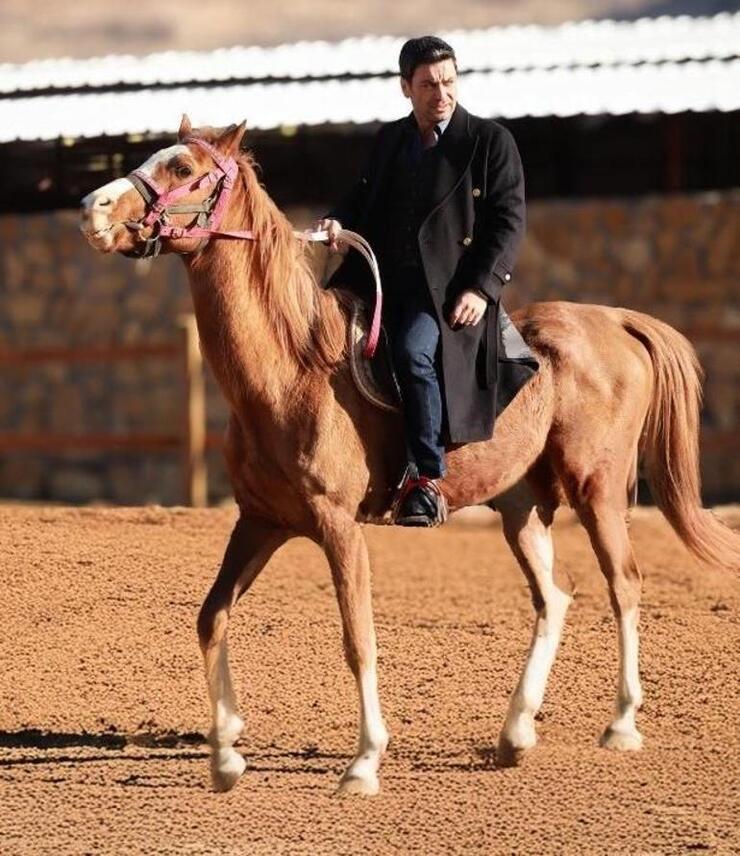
(250, 546)
(346, 551)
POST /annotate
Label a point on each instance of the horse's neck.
(239, 341)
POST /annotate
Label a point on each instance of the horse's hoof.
(509, 755)
(621, 741)
(514, 741)
(367, 786)
(226, 769)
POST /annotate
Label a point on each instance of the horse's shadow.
(171, 746)
(485, 759)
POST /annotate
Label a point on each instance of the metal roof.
(500, 48)
(651, 65)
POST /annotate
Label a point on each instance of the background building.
(629, 132)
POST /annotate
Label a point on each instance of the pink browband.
(225, 171)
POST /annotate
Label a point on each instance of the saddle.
(376, 379)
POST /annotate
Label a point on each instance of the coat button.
(476, 192)
(507, 276)
(467, 241)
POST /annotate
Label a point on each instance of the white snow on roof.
(607, 42)
(664, 65)
(616, 90)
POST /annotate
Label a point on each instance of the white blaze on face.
(162, 156)
(98, 205)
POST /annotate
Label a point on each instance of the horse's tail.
(670, 443)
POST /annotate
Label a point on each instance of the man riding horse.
(442, 203)
(308, 457)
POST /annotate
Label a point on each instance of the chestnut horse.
(308, 456)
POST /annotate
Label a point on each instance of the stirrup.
(408, 482)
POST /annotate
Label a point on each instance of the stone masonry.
(675, 257)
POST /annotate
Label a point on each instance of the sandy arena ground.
(104, 705)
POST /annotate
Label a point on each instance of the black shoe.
(421, 505)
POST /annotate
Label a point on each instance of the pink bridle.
(160, 201)
(213, 208)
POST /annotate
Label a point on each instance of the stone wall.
(677, 258)
(56, 291)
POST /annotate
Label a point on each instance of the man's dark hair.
(423, 51)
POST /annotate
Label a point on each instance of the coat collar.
(454, 142)
(456, 147)
(458, 128)
(455, 127)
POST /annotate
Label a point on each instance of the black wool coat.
(469, 239)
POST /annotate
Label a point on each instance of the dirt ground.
(104, 705)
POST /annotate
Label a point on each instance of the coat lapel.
(456, 148)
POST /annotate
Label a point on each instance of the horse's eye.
(183, 172)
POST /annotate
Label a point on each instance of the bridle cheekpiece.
(209, 213)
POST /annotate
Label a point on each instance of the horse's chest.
(275, 472)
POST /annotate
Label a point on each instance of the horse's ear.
(231, 139)
(185, 127)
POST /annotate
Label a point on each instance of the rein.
(210, 214)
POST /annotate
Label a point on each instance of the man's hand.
(333, 227)
(468, 310)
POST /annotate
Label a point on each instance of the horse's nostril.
(96, 202)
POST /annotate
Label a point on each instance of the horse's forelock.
(209, 134)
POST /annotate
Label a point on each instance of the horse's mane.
(304, 318)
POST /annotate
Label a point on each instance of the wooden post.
(194, 433)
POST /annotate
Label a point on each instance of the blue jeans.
(415, 335)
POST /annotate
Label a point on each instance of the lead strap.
(357, 242)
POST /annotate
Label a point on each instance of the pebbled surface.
(103, 705)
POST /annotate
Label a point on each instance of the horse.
(308, 456)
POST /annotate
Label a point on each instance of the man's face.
(433, 91)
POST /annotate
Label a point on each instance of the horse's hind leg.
(527, 528)
(346, 551)
(607, 529)
(250, 546)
